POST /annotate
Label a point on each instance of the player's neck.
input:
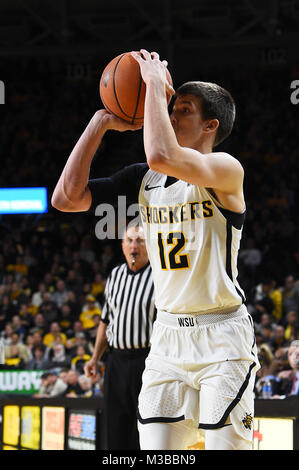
(204, 147)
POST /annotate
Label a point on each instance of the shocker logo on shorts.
(247, 421)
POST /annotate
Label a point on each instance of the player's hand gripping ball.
(122, 88)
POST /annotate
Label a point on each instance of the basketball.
(122, 88)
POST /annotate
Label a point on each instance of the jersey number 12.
(175, 259)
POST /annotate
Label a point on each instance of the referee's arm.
(91, 367)
(101, 343)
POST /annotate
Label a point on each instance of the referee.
(126, 325)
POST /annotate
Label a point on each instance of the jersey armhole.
(236, 219)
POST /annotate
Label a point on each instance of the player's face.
(186, 120)
(134, 248)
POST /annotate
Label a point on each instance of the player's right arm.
(72, 193)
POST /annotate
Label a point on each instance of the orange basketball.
(122, 88)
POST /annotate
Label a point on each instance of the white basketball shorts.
(201, 368)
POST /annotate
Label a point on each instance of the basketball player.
(201, 367)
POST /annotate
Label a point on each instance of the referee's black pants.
(122, 384)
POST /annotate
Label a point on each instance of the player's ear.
(211, 125)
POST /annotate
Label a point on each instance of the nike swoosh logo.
(148, 188)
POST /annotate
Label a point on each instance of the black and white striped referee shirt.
(129, 308)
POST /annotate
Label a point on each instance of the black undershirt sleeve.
(125, 182)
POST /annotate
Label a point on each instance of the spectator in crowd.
(38, 342)
(108, 259)
(290, 378)
(16, 294)
(3, 318)
(86, 252)
(26, 287)
(275, 295)
(78, 340)
(58, 270)
(290, 295)
(19, 268)
(22, 349)
(51, 386)
(60, 295)
(74, 303)
(78, 328)
(66, 318)
(39, 324)
(82, 339)
(270, 370)
(26, 314)
(80, 359)
(266, 320)
(266, 357)
(14, 360)
(97, 288)
(259, 339)
(80, 266)
(96, 269)
(279, 340)
(291, 326)
(85, 292)
(87, 314)
(260, 301)
(86, 386)
(49, 283)
(63, 375)
(37, 297)
(18, 326)
(267, 332)
(39, 360)
(8, 278)
(281, 357)
(55, 332)
(48, 308)
(29, 343)
(8, 309)
(29, 260)
(70, 347)
(7, 333)
(73, 386)
(57, 355)
(73, 283)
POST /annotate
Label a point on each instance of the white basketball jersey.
(192, 247)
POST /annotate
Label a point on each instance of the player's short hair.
(216, 103)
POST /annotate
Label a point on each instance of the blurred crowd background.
(53, 268)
